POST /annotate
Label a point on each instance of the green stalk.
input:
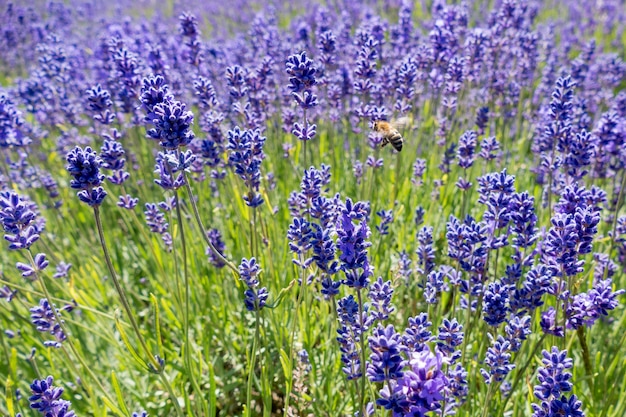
(122, 294)
(288, 378)
(255, 345)
(188, 361)
(196, 214)
(362, 340)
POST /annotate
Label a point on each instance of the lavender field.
(379, 208)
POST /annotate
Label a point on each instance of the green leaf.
(157, 323)
(8, 394)
(118, 393)
(131, 349)
(281, 295)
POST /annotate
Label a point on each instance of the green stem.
(196, 214)
(188, 361)
(289, 376)
(122, 294)
(255, 345)
(362, 340)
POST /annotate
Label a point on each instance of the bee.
(389, 133)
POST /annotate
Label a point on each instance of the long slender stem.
(288, 378)
(122, 294)
(196, 214)
(362, 340)
(255, 345)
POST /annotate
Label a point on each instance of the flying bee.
(389, 132)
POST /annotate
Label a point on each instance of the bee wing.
(402, 123)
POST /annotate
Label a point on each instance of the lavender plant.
(490, 252)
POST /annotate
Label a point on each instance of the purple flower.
(7, 293)
(420, 388)
(216, 239)
(99, 103)
(42, 316)
(489, 148)
(112, 157)
(47, 400)
(581, 151)
(465, 151)
(450, 336)
(84, 167)
(254, 299)
(416, 335)
(19, 219)
(154, 91)
(548, 323)
(554, 380)
(517, 329)
(155, 219)
(246, 155)
(352, 243)
(419, 168)
(425, 251)
(495, 304)
(498, 360)
(12, 125)
(386, 218)
(386, 361)
(349, 334)
(127, 202)
(172, 125)
(62, 270)
(323, 249)
(380, 294)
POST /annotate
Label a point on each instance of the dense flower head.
(254, 297)
(99, 102)
(498, 361)
(523, 219)
(560, 246)
(84, 167)
(20, 221)
(156, 222)
(154, 91)
(465, 151)
(554, 381)
(450, 336)
(172, 125)
(246, 155)
(323, 249)
(386, 361)
(420, 388)
(349, 333)
(495, 303)
(46, 399)
(352, 243)
(12, 124)
(301, 71)
(380, 294)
